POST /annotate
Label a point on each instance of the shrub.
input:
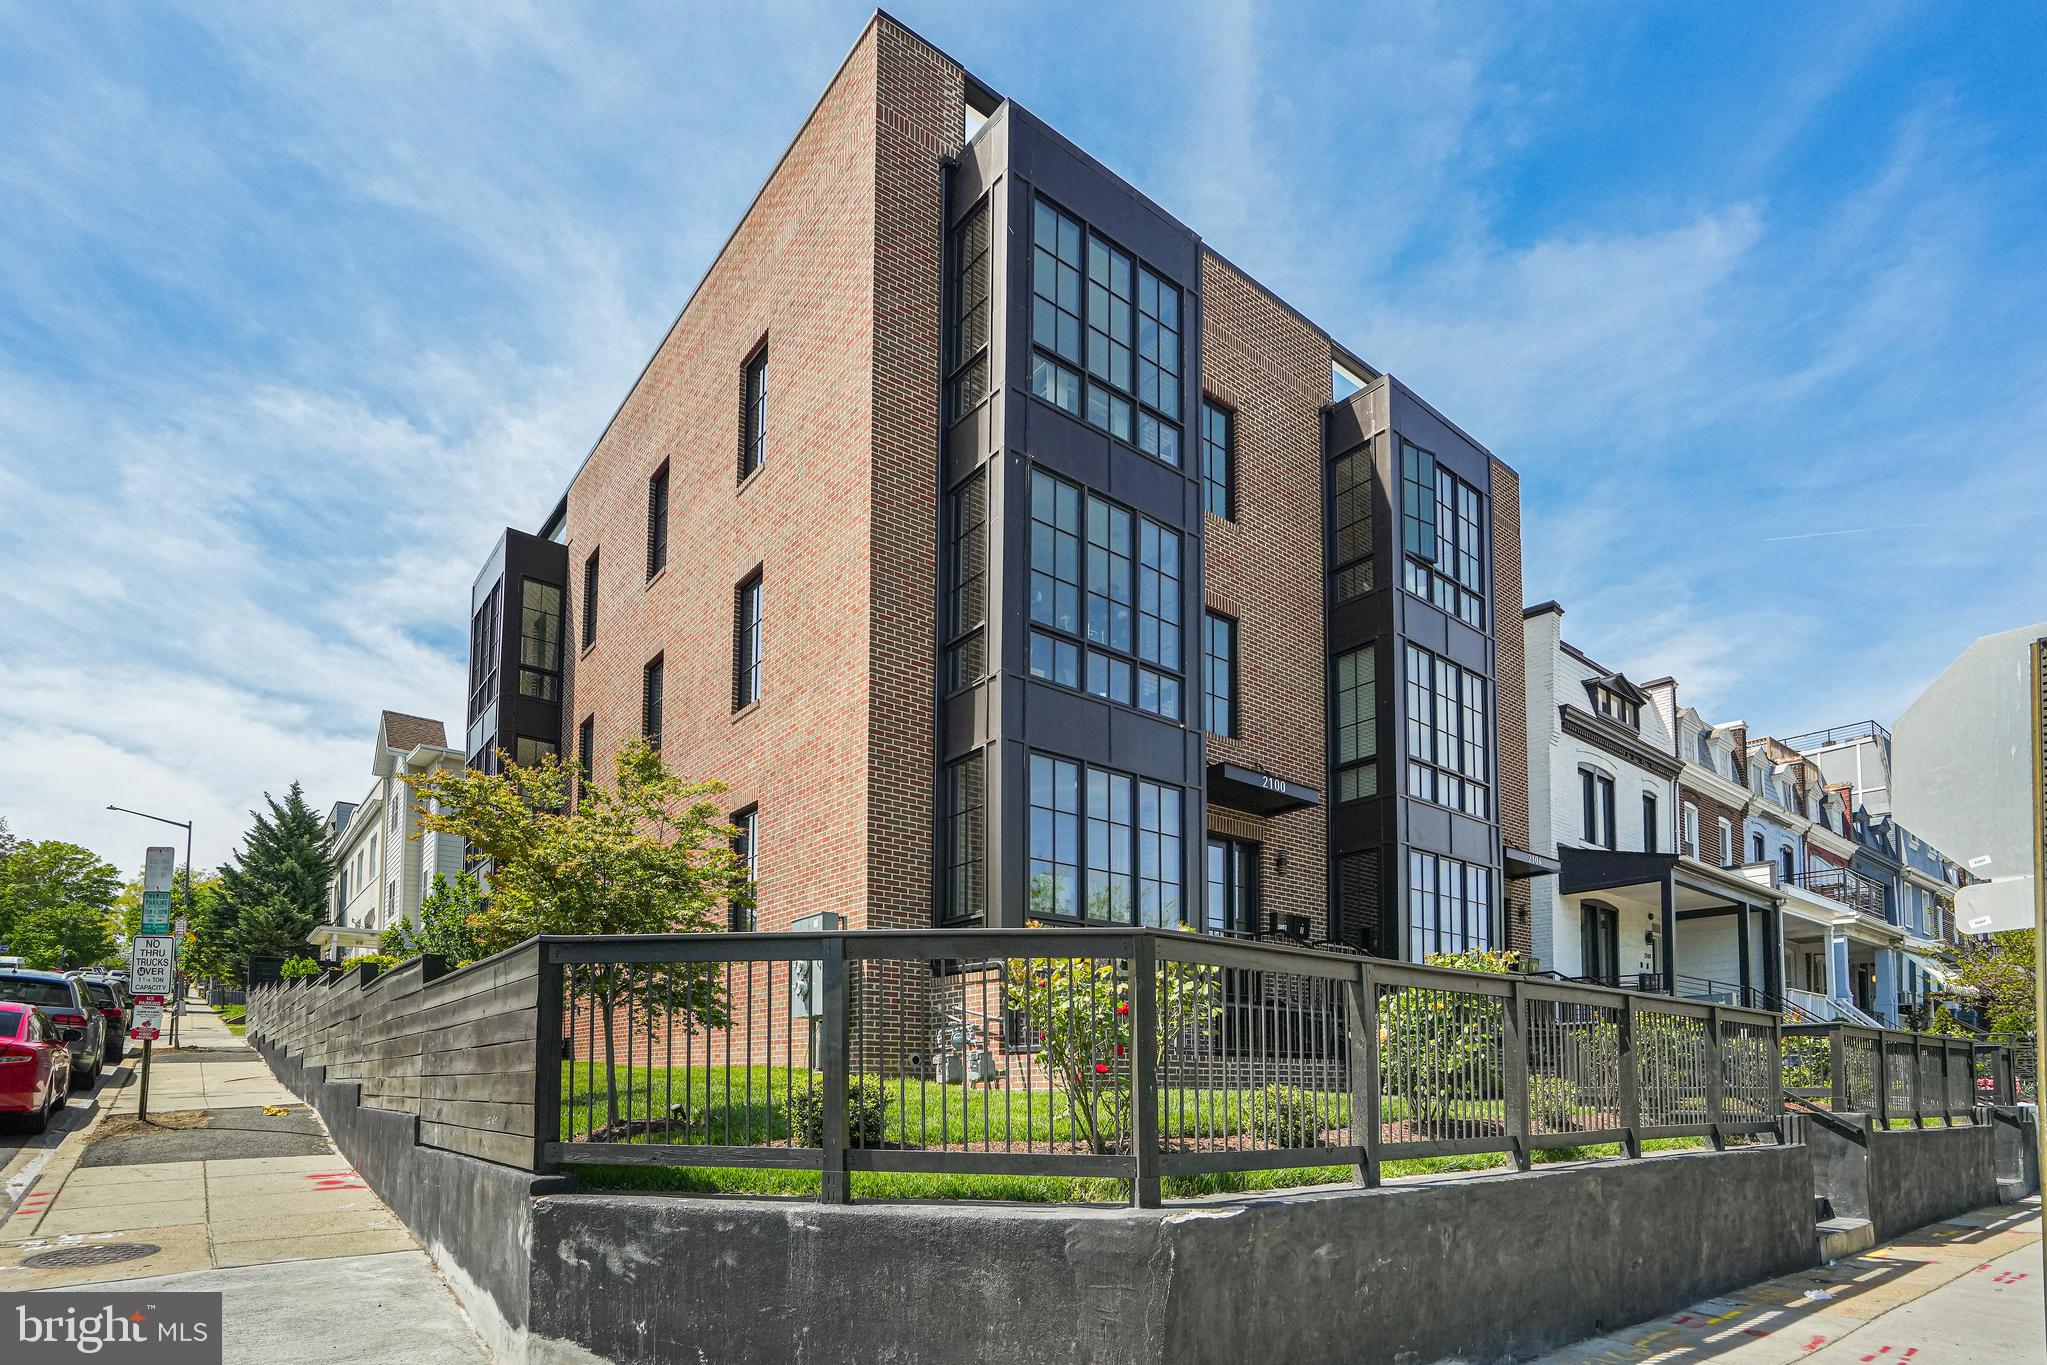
(866, 1113)
(1288, 1116)
(298, 969)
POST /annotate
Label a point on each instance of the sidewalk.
(1968, 1290)
(234, 1188)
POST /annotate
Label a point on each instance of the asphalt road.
(20, 1150)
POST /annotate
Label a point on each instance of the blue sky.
(300, 304)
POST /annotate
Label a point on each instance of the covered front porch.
(1666, 923)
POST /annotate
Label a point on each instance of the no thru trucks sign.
(150, 964)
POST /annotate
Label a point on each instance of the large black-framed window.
(753, 421)
(1351, 524)
(484, 649)
(1230, 906)
(590, 600)
(1103, 846)
(746, 640)
(1108, 621)
(1219, 674)
(1599, 943)
(1357, 723)
(540, 640)
(1218, 460)
(529, 752)
(1442, 537)
(657, 521)
(1596, 809)
(1449, 906)
(1447, 734)
(652, 678)
(967, 613)
(746, 847)
(1105, 333)
(967, 347)
(965, 840)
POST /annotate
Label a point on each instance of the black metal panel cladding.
(517, 556)
(1392, 823)
(1013, 159)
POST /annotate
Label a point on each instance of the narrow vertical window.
(1351, 498)
(746, 642)
(586, 752)
(1054, 866)
(1055, 307)
(966, 838)
(1158, 367)
(657, 521)
(753, 427)
(745, 913)
(1109, 290)
(1158, 618)
(650, 701)
(1648, 823)
(1159, 835)
(1218, 460)
(1110, 867)
(1357, 724)
(540, 640)
(968, 346)
(1726, 844)
(1219, 674)
(590, 600)
(967, 659)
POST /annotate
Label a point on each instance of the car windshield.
(30, 991)
(99, 994)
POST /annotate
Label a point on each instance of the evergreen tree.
(271, 895)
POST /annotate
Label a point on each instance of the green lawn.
(737, 1106)
(877, 1185)
(232, 1016)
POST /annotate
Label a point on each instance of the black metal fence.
(1894, 1075)
(1134, 1054)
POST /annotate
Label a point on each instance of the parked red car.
(35, 1065)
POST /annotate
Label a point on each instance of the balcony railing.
(1840, 734)
(1842, 884)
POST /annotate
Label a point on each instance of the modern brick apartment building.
(1014, 557)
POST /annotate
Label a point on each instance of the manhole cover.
(75, 1258)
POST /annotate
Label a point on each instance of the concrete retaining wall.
(1484, 1268)
(1901, 1179)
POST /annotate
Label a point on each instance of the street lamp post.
(142, 1099)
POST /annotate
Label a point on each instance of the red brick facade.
(1511, 693)
(835, 267)
(1271, 368)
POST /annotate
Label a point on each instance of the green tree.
(651, 854)
(276, 886)
(449, 918)
(56, 903)
(2000, 971)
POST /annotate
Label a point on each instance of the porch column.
(1741, 953)
(1667, 894)
(1773, 952)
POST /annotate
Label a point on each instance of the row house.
(1637, 900)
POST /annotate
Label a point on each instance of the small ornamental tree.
(450, 919)
(1078, 1012)
(651, 854)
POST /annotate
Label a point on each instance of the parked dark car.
(80, 1025)
(35, 1066)
(112, 1001)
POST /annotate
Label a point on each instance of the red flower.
(1119, 1049)
(1123, 1007)
(1101, 1068)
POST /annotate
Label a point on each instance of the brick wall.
(1711, 813)
(920, 122)
(801, 272)
(1511, 692)
(1265, 570)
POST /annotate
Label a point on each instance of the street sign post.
(152, 963)
(153, 958)
(147, 1022)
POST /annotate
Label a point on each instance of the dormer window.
(1616, 699)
